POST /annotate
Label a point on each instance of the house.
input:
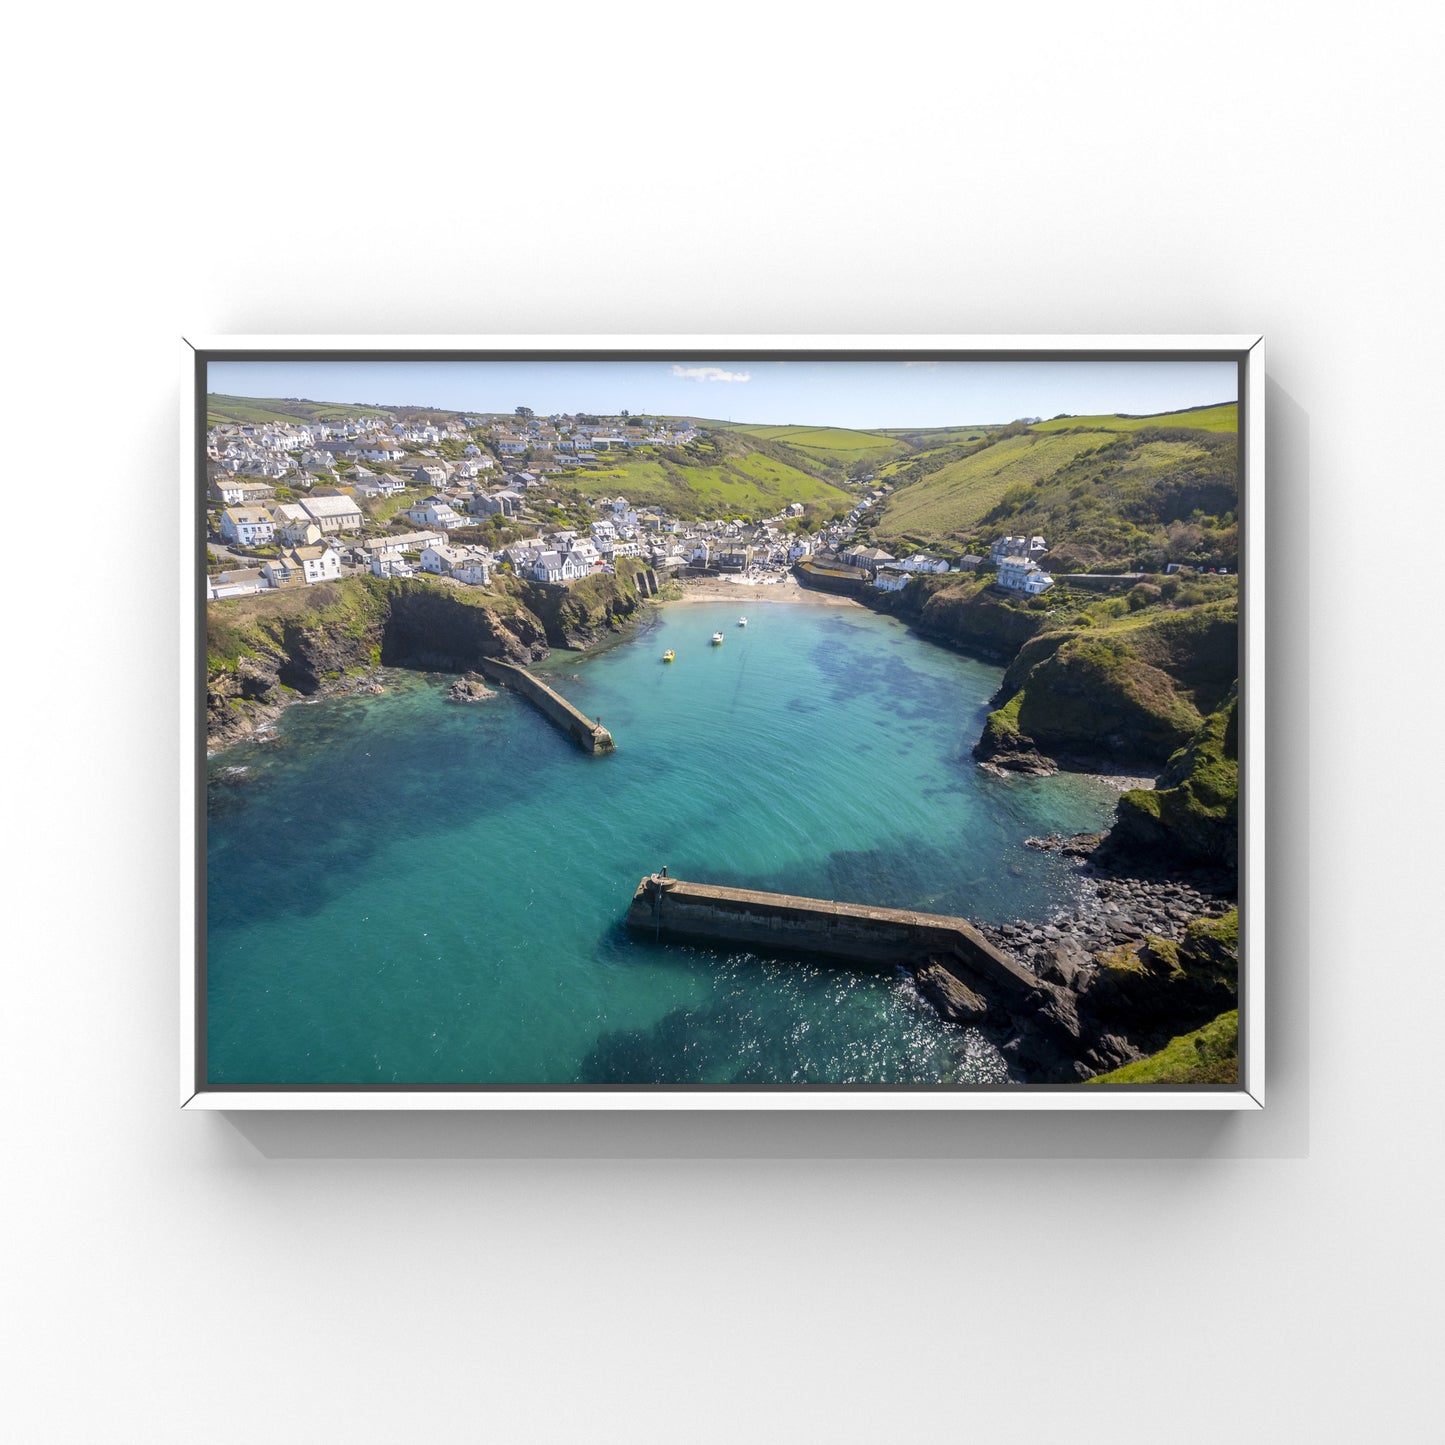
(296, 527)
(334, 514)
(376, 484)
(428, 474)
(390, 564)
(795, 509)
(439, 559)
(377, 450)
(474, 567)
(303, 566)
(434, 512)
(1037, 582)
(1037, 547)
(247, 526)
(506, 502)
(891, 579)
(553, 566)
(869, 559)
(1008, 547)
(969, 563)
(237, 582)
(396, 544)
(799, 548)
(923, 562)
(734, 559)
(1013, 572)
(232, 492)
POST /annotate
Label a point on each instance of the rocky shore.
(1119, 972)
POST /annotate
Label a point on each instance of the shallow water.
(405, 890)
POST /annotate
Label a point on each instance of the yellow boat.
(668, 655)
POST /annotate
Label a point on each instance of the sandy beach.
(716, 589)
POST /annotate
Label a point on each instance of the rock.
(470, 688)
(953, 999)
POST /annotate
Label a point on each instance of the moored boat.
(717, 638)
(742, 621)
(668, 655)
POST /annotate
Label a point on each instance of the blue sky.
(823, 393)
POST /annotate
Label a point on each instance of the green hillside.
(726, 475)
(1224, 417)
(833, 446)
(955, 499)
(1133, 496)
(250, 410)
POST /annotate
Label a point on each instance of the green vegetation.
(1209, 1055)
(831, 446)
(729, 475)
(1103, 499)
(955, 499)
(1222, 418)
(1192, 816)
(249, 411)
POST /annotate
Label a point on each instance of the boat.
(742, 621)
(668, 655)
(717, 639)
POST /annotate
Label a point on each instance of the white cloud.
(710, 373)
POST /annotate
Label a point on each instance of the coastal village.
(1140, 686)
(460, 498)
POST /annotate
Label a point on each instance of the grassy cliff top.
(1209, 1055)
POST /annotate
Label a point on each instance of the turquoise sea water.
(405, 890)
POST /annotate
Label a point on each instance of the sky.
(862, 394)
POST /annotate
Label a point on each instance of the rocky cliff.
(1191, 817)
(1125, 697)
(264, 651)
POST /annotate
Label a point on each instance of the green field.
(1100, 497)
(741, 482)
(833, 446)
(955, 499)
(1224, 417)
(250, 410)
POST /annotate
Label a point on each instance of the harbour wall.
(591, 736)
(832, 577)
(674, 908)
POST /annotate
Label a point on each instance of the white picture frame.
(196, 1093)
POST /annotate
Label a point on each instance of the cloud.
(710, 373)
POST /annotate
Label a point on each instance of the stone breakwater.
(587, 733)
(1038, 991)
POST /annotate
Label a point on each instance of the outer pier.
(847, 933)
(589, 735)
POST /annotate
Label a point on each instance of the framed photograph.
(722, 722)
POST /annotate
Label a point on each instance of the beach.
(720, 589)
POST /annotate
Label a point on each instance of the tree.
(524, 412)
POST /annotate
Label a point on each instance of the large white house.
(434, 512)
(557, 567)
(304, 565)
(1023, 575)
(439, 559)
(247, 526)
(390, 564)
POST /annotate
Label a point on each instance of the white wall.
(1082, 168)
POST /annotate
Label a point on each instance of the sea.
(402, 890)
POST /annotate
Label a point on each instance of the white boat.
(717, 639)
(742, 621)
